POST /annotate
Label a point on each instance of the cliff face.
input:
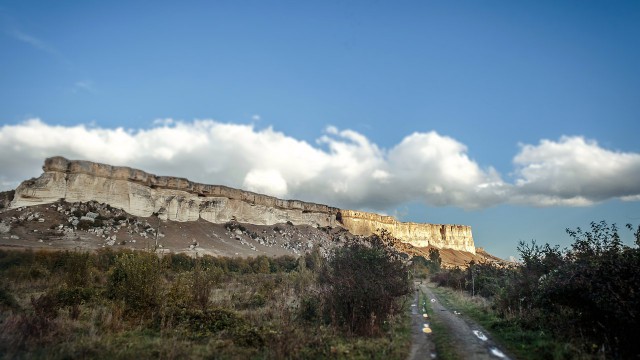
(179, 199)
(456, 237)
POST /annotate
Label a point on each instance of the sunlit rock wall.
(457, 237)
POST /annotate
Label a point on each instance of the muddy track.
(422, 346)
(471, 341)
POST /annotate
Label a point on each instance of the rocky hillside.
(92, 225)
(177, 199)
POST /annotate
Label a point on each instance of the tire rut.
(422, 346)
(471, 341)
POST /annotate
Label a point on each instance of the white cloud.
(437, 169)
(575, 171)
(265, 182)
(343, 169)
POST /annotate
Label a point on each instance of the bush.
(212, 320)
(73, 298)
(363, 284)
(77, 269)
(203, 281)
(310, 308)
(180, 262)
(588, 295)
(261, 265)
(284, 263)
(135, 279)
(7, 300)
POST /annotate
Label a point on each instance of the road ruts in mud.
(422, 346)
(471, 341)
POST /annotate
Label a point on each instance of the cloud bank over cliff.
(343, 168)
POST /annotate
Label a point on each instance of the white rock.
(4, 228)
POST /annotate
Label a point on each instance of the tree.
(363, 284)
(435, 262)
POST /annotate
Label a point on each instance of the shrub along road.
(468, 339)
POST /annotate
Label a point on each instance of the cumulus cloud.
(437, 169)
(343, 168)
(575, 171)
(265, 182)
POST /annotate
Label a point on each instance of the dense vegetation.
(578, 302)
(137, 304)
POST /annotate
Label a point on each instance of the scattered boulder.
(4, 228)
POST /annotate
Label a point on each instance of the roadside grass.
(445, 346)
(200, 312)
(508, 333)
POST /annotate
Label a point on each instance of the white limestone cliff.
(178, 199)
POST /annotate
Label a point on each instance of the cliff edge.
(178, 199)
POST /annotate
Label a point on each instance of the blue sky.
(517, 118)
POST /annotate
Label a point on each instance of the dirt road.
(471, 341)
(422, 345)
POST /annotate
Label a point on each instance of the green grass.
(509, 334)
(63, 323)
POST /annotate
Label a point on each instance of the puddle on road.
(480, 335)
(496, 352)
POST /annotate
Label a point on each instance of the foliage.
(424, 267)
(135, 279)
(203, 281)
(363, 285)
(7, 300)
(435, 262)
(587, 296)
(111, 304)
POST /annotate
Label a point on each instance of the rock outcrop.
(456, 237)
(178, 199)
